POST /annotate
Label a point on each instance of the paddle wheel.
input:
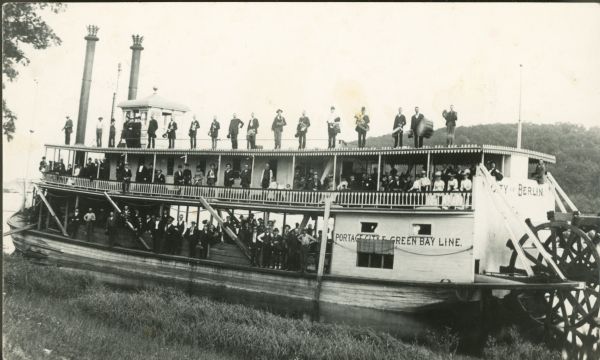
(568, 316)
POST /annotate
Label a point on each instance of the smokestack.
(86, 83)
(136, 53)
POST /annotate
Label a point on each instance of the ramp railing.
(558, 193)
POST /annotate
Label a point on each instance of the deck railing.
(359, 199)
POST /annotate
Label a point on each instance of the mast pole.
(112, 108)
(519, 126)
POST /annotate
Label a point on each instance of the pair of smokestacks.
(136, 53)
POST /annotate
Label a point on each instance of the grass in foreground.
(78, 318)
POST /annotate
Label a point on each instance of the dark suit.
(415, 120)
(451, 118)
(152, 127)
(73, 225)
(112, 224)
(229, 178)
(192, 235)
(214, 133)
(126, 179)
(187, 176)
(112, 132)
(399, 122)
(252, 125)
(172, 134)
(234, 129)
(194, 126)
(160, 179)
(303, 123)
(171, 238)
(68, 130)
(246, 178)
(178, 177)
(140, 175)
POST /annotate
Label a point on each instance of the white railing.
(359, 199)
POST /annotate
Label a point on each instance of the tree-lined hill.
(576, 148)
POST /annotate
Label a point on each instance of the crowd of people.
(131, 132)
(287, 249)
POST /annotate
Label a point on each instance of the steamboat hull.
(139, 268)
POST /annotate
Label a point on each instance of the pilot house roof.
(153, 101)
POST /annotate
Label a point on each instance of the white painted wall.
(411, 262)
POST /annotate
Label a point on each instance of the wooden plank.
(561, 192)
(114, 205)
(323, 248)
(16, 231)
(60, 226)
(231, 234)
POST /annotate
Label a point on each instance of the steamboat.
(404, 251)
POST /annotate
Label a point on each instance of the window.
(368, 227)
(375, 254)
(421, 229)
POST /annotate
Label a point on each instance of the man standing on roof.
(194, 126)
(234, 128)
(333, 127)
(99, 128)
(277, 127)
(362, 126)
(301, 129)
(414, 126)
(398, 129)
(68, 129)
(152, 127)
(451, 118)
(171, 133)
(112, 132)
(251, 132)
(214, 132)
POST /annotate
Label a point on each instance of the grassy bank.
(49, 313)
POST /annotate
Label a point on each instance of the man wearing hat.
(228, 176)
(171, 235)
(362, 126)
(99, 128)
(277, 127)
(152, 127)
(333, 127)
(301, 129)
(415, 120)
(192, 236)
(451, 118)
(245, 176)
(252, 131)
(160, 177)
(178, 176)
(187, 175)
(68, 129)
(234, 128)
(126, 178)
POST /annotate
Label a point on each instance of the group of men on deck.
(132, 129)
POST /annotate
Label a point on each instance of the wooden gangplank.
(229, 232)
(116, 207)
(323, 248)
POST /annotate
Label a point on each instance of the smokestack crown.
(92, 31)
(137, 42)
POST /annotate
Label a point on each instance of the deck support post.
(66, 213)
(293, 170)
(284, 220)
(76, 202)
(51, 211)
(323, 247)
(378, 172)
(187, 213)
(335, 171)
(74, 163)
(154, 169)
(218, 169)
(161, 210)
(39, 224)
(198, 216)
(428, 164)
(252, 172)
(114, 205)
(98, 171)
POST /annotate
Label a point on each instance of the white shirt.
(100, 125)
(452, 185)
(466, 185)
(438, 185)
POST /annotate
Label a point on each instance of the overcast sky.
(225, 58)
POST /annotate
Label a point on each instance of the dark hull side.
(137, 268)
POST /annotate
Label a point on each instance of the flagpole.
(519, 126)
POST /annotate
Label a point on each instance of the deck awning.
(433, 150)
